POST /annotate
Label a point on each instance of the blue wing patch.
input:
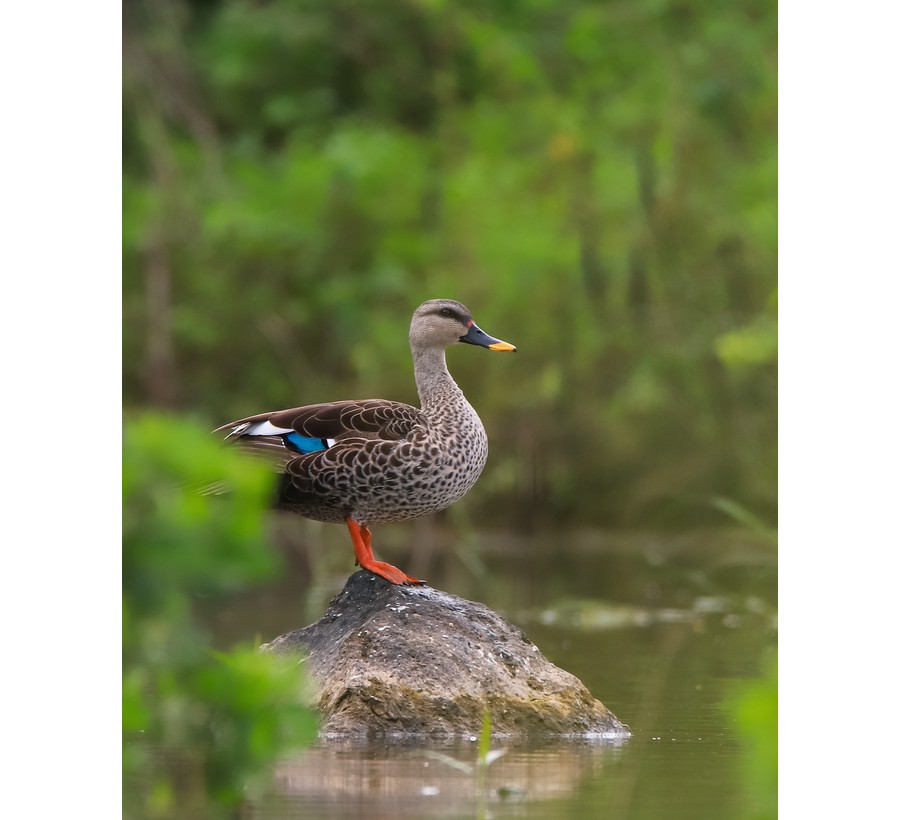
(304, 444)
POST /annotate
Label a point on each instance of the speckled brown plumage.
(375, 461)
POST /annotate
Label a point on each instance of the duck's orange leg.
(362, 546)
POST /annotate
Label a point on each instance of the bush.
(199, 727)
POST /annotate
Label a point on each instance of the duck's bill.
(476, 336)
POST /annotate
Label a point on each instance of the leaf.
(484, 743)
(450, 761)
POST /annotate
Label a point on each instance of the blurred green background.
(596, 181)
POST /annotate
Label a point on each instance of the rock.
(402, 660)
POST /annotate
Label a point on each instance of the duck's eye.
(445, 312)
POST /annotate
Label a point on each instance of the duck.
(374, 461)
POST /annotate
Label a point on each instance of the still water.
(661, 630)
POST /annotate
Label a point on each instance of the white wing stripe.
(266, 428)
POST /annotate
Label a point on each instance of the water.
(663, 631)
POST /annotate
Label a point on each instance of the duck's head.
(444, 322)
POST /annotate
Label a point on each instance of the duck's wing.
(286, 435)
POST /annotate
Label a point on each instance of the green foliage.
(229, 714)
(486, 756)
(755, 707)
(596, 181)
(754, 344)
(177, 538)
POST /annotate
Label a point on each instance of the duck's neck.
(434, 382)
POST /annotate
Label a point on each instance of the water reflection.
(429, 779)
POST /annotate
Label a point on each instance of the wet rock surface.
(393, 660)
